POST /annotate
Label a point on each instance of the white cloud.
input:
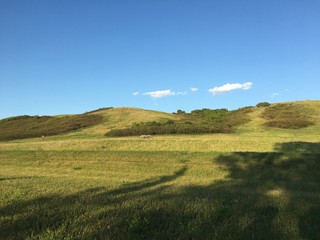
(181, 93)
(230, 87)
(160, 94)
(275, 94)
(136, 93)
(193, 89)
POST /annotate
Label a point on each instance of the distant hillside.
(36, 126)
(291, 117)
(96, 122)
(304, 115)
(115, 118)
(288, 115)
(197, 122)
(265, 117)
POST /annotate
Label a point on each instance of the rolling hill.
(124, 117)
(293, 117)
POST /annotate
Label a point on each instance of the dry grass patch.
(35, 126)
(288, 115)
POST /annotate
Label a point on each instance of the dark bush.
(263, 104)
(180, 111)
(169, 122)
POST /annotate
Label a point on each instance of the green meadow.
(261, 181)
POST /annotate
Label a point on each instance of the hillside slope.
(124, 117)
(300, 117)
(35, 126)
(258, 124)
(119, 118)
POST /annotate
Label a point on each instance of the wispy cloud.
(230, 87)
(193, 89)
(135, 93)
(160, 94)
(181, 93)
(275, 94)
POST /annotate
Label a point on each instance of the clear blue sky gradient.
(74, 56)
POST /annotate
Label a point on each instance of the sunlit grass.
(257, 183)
(243, 142)
(160, 194)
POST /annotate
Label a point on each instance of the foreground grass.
(105, 194)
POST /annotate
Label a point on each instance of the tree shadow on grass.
(283, 188)
(272, 195)
(53, 215)
(13, 178)
(298, 147)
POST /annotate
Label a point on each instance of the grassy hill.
(124, 117)
(35, 126)
(258, 126)
(258, 182)
(92, 123)
(302, 117)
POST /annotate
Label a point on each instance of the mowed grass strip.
(99, 164)
(161, 195)
(264, 142)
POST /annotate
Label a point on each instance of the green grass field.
(257, 183)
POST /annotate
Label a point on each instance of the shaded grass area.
(161, 195)
(197, 122)
(288, 115)
(34, 126)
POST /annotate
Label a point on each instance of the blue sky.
(75, 56)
